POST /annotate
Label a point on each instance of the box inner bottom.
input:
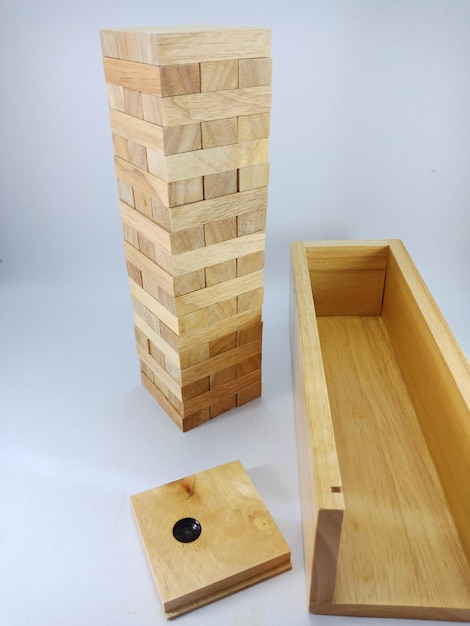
(399, 545)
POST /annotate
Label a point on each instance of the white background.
(370, 139)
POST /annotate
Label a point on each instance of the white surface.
(370, 139)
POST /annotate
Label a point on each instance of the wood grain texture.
(220, 208)
(137, 76)
(219, 75)
(438, 377)
(399, 437)
(168, 45)
(178, 167)
(219, 132)
(209, 106)
(255, 72)
(214, 565)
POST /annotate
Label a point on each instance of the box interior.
(401, 431)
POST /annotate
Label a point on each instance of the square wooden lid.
(239, 543)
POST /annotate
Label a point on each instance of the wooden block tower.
(190, 112)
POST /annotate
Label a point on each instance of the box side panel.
(437, 375)
(345, 279)
(320, 480)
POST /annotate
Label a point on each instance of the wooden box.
(190, 115)
(382, 402)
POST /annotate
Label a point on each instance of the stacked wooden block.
(189, 112)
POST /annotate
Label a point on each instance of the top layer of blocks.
(189, 44)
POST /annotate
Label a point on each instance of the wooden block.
(125, 100)
(218, 208)
(255, 72)
(249, 333)
(204, 107)
(109, 44)
(187, 239)
(161, 214)
(219, 132)
(217, 294)
(127, 45)
(151, 272)
(221, 272)
(157, 354)
(194, 355)
(217, 253)
(188, 44)
(152, 107)
(185, 423)
(125, 191)
(253, 176)
(218, 394)
(180, 79)
(189, 282)
(220, 328)
(169, 336)
(220, 230)
(115, 96)
(146, 246)
(121, 147)
(152, 231)
(185, 191)
(223, 376)
(223, 184)
(388, 390)
(143, 204)
(176, 167)
(182, 138)
(195, 389)
(219, 312)
(226, 404)
(195, 320)
(132, 236)
(255, 126)
(220, 361)
(146, 322)
(251, 299)
(250, 263)
(134, 273)
(249, 393)
(137, 155)
(159, 372)
(136, 130)
(146, 371)
(219, 75)
(135, 76)
(147, 183)
(252, 364)
(153, 305)
(222, 344)
(251, 222)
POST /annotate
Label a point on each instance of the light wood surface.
(243, 550)
(168, 45)
(394, 386)
(189, 115)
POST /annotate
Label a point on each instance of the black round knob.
(186, 530)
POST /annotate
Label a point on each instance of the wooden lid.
(207, 536)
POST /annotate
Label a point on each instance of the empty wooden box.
(190, 112)
(382, 401)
